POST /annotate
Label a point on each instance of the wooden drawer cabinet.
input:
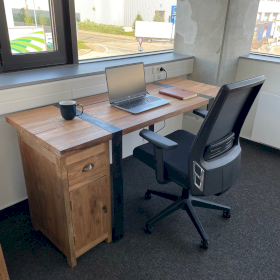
(69, 197)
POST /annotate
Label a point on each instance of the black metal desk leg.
(152, 127)
(210, 98)
(211, 101)
(117, 185)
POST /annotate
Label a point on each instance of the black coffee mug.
(68, 109)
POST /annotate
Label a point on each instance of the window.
(31, 34)
(112, 28)
(266, 38)
(30, 30)
(40, 33)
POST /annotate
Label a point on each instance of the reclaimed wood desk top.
(46, 126)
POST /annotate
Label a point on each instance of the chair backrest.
(215, 156)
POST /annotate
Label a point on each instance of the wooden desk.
(72, 207)
(3, 269)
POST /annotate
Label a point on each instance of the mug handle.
(82, 109)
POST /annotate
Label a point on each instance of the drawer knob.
(88, 167)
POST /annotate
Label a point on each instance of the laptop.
(127, 89)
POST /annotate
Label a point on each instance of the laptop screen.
(124, 81)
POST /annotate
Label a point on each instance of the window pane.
(108, 28)
(29, 26)
(266, 39)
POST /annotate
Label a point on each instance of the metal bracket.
(197, 176)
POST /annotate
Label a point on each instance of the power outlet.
(157, 77)
(156, 69)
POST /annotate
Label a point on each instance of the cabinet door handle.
(104, 208)
(88, 167)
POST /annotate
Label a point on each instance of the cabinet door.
(90, 214)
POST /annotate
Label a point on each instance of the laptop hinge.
(128, 99)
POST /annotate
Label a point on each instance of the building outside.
(269, 10)
(109, 12)
(122, 12)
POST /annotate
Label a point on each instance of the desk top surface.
(46, 126)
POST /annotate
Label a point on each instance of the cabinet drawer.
(86, 170)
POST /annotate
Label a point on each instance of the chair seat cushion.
(175, 161)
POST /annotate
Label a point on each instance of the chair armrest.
(158, 140)
(200, 112)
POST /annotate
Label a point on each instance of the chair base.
(185, 202)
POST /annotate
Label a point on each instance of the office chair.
(203, 165)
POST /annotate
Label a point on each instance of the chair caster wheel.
(148, 196)
(148, 229)
(226, 214)
(204, 244)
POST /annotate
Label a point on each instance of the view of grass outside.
(266, 39)
(82, 45)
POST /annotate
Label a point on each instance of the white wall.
(263, 122)
(12, 185)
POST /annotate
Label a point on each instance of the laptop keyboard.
(138, 102)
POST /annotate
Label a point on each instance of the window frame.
(62, 28)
